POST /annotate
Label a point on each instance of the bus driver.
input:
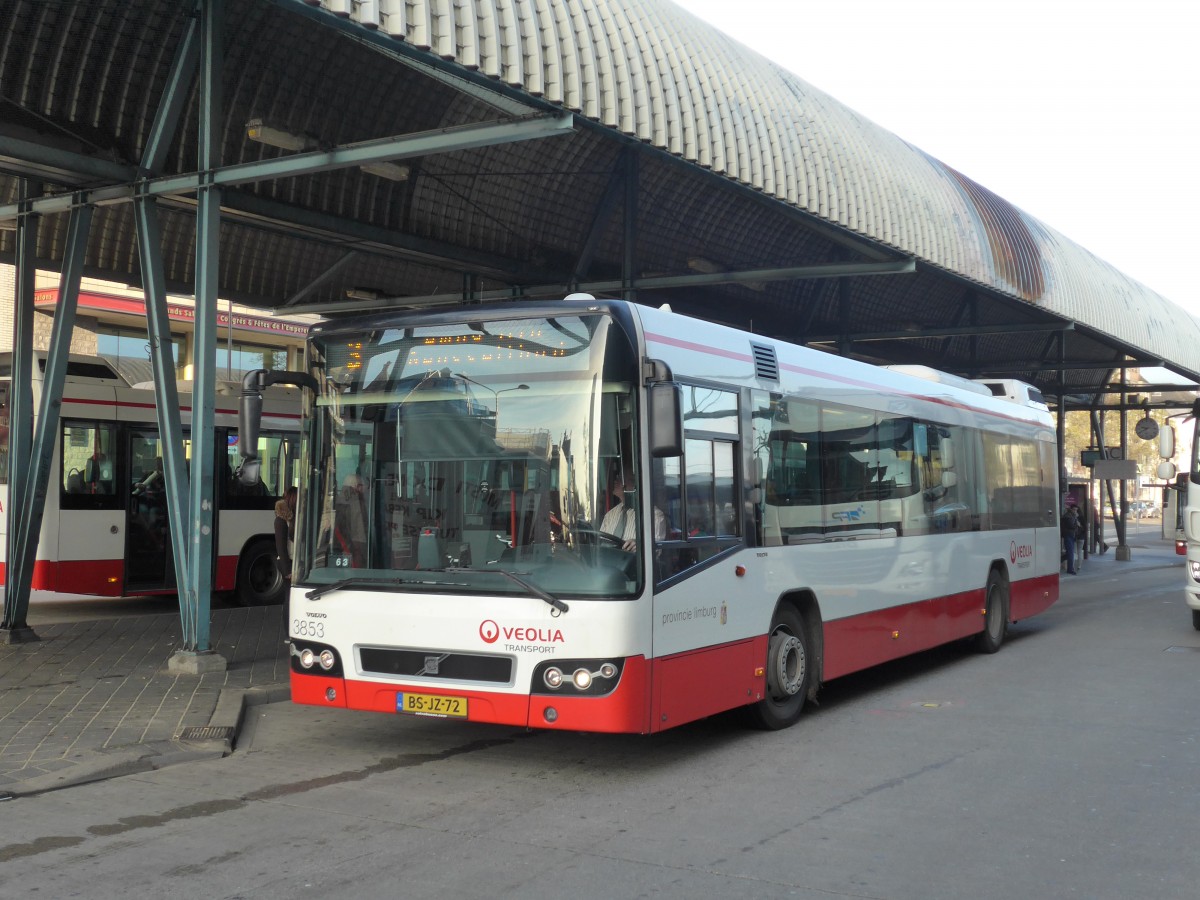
(621, 520)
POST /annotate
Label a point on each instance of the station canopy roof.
(535, 147)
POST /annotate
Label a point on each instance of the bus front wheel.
(995, 614)
(258, 580)
(789, 672)
(1196, 619)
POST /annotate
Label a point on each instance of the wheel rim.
(264, 577)
(785, 676)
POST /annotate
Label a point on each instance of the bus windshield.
(475, 457)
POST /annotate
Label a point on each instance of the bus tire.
(258, 580)
(995, 614)
(789, 672)
(1196, 619)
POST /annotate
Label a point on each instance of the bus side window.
(701, 515)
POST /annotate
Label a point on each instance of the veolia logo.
(1022, 551)
(489, 631)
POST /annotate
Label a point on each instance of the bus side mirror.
(250, 405)
(665, 408)
(946, 451)
(1166, 442)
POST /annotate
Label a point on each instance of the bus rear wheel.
(258, 580)
(995, 614)
(789, 672)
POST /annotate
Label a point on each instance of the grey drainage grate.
(205, 733)
(1183, 650)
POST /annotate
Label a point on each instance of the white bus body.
(104, 529)
(1187, 520)
(823, 516)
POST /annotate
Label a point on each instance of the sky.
(1083, 113)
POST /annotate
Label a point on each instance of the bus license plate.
(431, 705)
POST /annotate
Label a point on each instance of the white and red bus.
(1187, 514)
(787, 517)
(104, 529)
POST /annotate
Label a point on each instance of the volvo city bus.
(783, 517)
(104, 530)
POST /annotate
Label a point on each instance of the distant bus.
(104, 530)
(783, 517)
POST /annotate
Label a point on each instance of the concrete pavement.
(94, 700)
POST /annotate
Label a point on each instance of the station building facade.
(110, 322)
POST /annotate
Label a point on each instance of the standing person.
(1070, 534)
(285, 531)
(1098, 545)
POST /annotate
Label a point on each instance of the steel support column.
(158, 326)
(13, 628)
(45, 433)
(166, 395)
(195, 594)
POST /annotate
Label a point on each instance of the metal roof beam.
(833, 270)
(445, 140)
(45, 163)
(953, 331)
(788, 273)
(1029, 365)
(328, 275)
(251, 209)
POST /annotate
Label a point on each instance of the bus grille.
(435, 664)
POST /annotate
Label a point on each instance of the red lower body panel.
(106, 577)
(859, 642)
(100, 577)
(622, 711)
(1032, 596)
(700, 683)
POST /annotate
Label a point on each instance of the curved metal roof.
(740, 165)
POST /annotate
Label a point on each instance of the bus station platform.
(93, 699)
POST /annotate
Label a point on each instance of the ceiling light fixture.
(389, 170)
(257, 130)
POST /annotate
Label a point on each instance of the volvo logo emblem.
(432, 663)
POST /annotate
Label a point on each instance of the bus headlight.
(309, 658)
(589, 677)
(1194, 569)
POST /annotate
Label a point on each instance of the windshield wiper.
(532, 588)
(321, 591)
(318, 592)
